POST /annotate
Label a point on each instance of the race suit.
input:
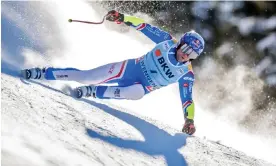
(137, 77)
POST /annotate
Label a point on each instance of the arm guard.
(154, 33)
(185, 88)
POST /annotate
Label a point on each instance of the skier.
(168, 62)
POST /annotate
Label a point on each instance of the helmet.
(193, 41)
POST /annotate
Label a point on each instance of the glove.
(115, 16)
(189, 127)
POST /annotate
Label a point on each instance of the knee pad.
(134, 92)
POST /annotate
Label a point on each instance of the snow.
(267, 42)
(262, 65)
(42, 126)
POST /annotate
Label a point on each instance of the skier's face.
(185, 53)
(181, 57)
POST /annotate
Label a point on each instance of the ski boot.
(33, 73)
(85, 91)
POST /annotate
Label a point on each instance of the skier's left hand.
(189, 127)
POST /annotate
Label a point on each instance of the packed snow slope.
(41, 126)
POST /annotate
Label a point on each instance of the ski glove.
(115, 16)
(189, 127)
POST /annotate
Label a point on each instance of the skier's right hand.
(189, 127)
(115, 16)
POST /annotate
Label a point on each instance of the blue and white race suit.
(137, 77)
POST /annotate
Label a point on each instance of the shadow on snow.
(157, 141)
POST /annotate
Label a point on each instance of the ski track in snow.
(43, 126)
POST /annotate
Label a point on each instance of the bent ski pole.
(87, 22)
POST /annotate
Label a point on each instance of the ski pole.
(87, 22)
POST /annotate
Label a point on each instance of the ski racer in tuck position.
(168, 62)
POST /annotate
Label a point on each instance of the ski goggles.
(188, 50)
